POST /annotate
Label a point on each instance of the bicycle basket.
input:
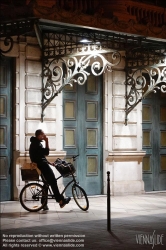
(64, 168)
(29, 173)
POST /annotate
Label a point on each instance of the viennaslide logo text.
(150, 239)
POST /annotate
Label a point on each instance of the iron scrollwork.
(14, 28)
(60, 72)
(144, 57)
(141, 82)
(8, 42)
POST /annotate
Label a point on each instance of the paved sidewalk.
(137, 222)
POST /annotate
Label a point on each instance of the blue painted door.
(154, 141)
(83, 133)
(5, 129)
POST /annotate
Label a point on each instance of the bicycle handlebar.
(74, 157)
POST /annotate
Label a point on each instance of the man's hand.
(52, 164)
(45, 138)
(46, 141)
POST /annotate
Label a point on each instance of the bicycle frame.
(33, 196)
(50, 194)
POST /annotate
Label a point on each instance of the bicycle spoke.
(80, 197)
(33, 197)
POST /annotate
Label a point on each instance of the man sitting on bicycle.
(37, 154)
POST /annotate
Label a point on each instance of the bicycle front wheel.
(80, 197)
(33, 197)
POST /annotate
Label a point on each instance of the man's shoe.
(64, 202)
(45, 208)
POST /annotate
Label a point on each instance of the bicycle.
(33, 196)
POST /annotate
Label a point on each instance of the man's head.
(39, 134)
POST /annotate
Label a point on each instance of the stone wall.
(123, 144)
(27, 108)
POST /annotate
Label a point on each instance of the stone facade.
(122, 148)
(124, 16)
(27, 108)
(122, 144)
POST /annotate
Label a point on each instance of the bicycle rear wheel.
(33, 197)
(80, 197)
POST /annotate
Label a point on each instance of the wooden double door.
(83, 131)
(5, 128)
(154, 141)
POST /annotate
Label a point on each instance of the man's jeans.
(50, 178)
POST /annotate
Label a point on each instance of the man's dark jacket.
(37, 152)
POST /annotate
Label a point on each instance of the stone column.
(124, 143)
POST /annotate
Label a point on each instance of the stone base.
(127, 188)
(125, 169)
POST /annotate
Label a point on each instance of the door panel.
(83, 132)
(154, 141)
(5, 129)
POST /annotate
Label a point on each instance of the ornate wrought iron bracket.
(14, 28)
(145, 71)
(61, 72)
(141, 82)
(60, 41)
(8, 42)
